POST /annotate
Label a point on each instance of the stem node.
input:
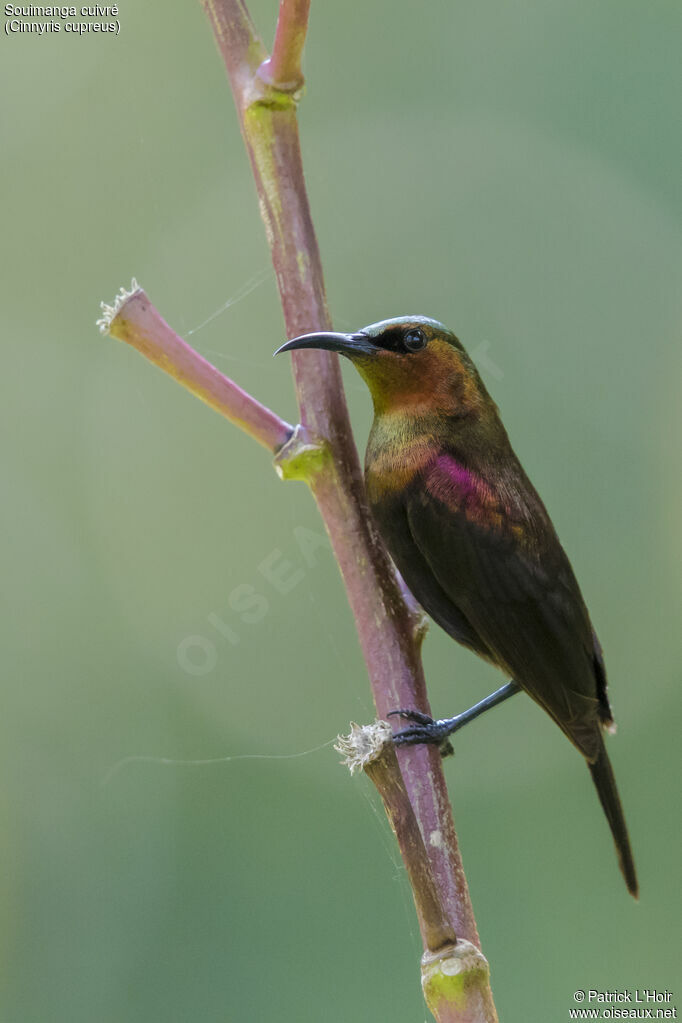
(455, 981)
(301, 457)
(292, 89)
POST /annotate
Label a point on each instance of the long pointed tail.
(602, 776)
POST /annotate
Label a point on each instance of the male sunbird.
(474, 542)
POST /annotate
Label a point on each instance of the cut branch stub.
(133, 319)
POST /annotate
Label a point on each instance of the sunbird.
(473, 541)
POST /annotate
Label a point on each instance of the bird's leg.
(426, 729)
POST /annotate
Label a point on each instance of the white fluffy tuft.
(110, 311)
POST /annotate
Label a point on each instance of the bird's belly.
(391, 518)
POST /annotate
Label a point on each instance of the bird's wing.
(513, 582)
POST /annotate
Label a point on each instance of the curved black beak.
(344, 344)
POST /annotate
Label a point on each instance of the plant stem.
(322, 451)
(386, 627)
(455, 974)
(132, 318)
(283, 69)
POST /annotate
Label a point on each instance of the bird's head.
(411, 364)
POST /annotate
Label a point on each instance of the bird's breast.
(396, 454)
(406, 456)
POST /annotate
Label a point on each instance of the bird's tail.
(602, 776)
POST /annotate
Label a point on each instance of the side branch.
(133, 319)
(283, 69)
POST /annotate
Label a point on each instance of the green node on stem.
(455, 982)
(302, 457)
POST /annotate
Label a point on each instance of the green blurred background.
(512, 169)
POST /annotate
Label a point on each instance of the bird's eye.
(415, 339)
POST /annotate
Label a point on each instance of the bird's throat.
(400, 445)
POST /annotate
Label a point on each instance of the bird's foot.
(426, 730)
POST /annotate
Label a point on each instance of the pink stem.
(283, 69)
(390, 632)
(137, 322)
(386, 628)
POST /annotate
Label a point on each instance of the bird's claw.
(425, 730)
(412, 715)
